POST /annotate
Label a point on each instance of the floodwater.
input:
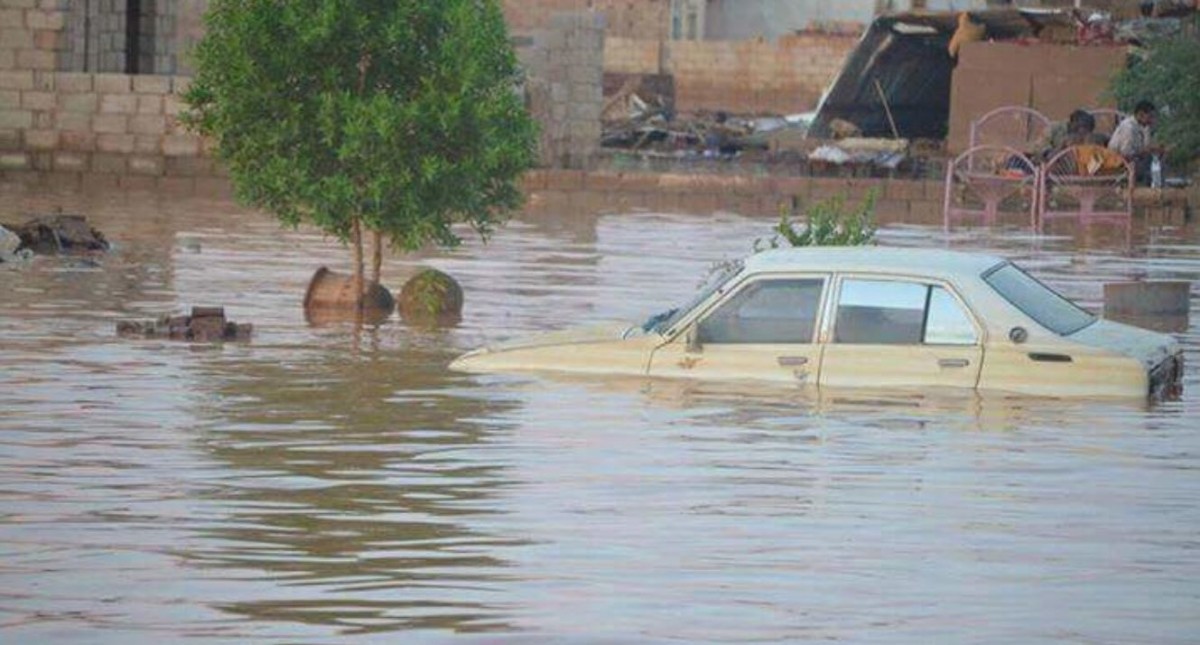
(322, 485)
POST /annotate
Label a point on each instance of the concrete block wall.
(749, 76)
(108, 124)
(565, 88)
(32, 34)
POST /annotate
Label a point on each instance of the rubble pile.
(59, 234)
(205, 325)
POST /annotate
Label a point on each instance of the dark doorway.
(133, 36)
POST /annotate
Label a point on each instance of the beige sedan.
(868, 317)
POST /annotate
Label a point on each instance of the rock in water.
(50, 234)
(431, 298)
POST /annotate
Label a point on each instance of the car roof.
(933, 263)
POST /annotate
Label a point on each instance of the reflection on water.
(317, 484)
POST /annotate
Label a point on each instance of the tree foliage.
(1169, 76)
(401, 116)
(828, 223)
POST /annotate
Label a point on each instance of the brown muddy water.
(317, 485)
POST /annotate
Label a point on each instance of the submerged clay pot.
(431, 298)
(330, 298)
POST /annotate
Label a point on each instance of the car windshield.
(1038, 301)
(661, 322)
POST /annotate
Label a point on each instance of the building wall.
(31, 37)
(1053, 79)
(647, 19)
(749, 77)
(123, 124)
(97, 123)
(770, 19)
(564, 89)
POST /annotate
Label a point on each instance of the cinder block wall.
(750, 76)
(119, 124)
(565, 87)
(32, 34)
(98, 123)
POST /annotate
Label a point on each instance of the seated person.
(1078, 129)
(1132, 140)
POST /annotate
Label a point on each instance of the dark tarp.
(907, 54)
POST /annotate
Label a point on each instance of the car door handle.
(953, 362)
(792, 361)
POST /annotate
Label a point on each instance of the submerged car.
(868, 317)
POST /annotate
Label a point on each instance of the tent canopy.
(905, 57)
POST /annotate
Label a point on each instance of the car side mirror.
(693, 341)
(1018, 335)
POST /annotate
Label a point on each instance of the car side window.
(947, 323)
(767, 311)
(878, 312)
(884, 312)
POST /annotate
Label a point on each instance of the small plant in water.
(828, 222)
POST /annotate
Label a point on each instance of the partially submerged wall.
(122, 124)
(752, 76)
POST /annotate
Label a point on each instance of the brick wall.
(750, 76)
(97, 123)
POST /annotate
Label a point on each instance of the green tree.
(400, 118)
(1168, 75)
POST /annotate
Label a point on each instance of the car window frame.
(691, 325)
(835, 294)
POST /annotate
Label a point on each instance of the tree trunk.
(377, 258)
(357, 241)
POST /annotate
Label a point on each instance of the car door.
(765, 329)
(899, 333)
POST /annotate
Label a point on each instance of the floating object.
(968, 31)
(431, 298)
(331, 298)
(54, 234)
(1161, 305)
(1148, 297)
(205, 325)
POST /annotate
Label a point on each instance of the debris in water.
(205, 325)
(51, 234)
(431, 298)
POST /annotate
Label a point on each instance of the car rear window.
(1037, 301)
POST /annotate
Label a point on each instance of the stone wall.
(751, 76)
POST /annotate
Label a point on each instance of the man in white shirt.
(1132, 139)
